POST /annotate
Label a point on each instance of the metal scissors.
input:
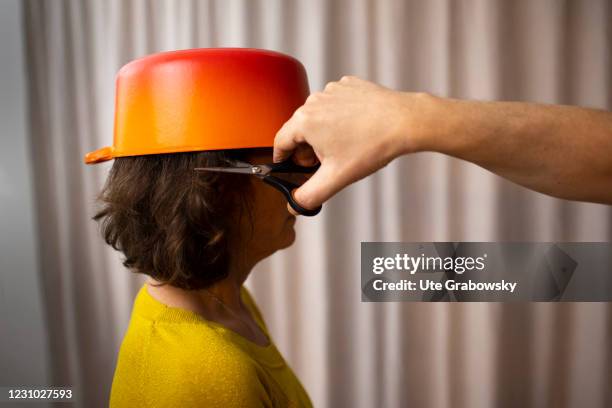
(283, 176)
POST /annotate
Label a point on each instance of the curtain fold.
(347, 353)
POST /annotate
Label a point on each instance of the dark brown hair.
(171, 222)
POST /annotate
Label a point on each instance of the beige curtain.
(347, 353)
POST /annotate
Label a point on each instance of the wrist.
(424, 126)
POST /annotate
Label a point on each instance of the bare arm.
(355, 127)
(563, 151)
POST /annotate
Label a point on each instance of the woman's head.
(185, 227)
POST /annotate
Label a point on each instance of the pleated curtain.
(347, 353)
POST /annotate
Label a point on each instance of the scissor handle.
(287, 188)
(289, 166)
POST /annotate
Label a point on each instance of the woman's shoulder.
(169, 368)
(164, 334)
(178, 345)
(172, 359)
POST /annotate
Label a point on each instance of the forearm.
(355, 127)
(558, 150)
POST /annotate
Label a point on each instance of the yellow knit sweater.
(172, 357)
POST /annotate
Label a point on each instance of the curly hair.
(171, 222)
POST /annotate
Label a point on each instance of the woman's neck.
(221, 302)
(203, 301)
(227, 290)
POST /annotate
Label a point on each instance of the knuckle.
(301, 114)
(313, 97)
(347, 78)
(330, 86)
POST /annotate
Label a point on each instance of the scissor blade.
(239, 170)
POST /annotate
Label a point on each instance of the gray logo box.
(486, 271)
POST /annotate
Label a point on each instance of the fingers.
(304, 155)
(286, 140)
(318, 189)
(292, 133)
(284, 144)
(291, 210)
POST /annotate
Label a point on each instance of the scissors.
(283, 176)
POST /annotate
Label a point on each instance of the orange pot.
(203, 99)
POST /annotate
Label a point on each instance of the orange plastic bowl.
(203, 99)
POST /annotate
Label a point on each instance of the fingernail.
(291, 210)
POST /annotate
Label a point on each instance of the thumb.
(318, 189)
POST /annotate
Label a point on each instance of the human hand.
(353, 128)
